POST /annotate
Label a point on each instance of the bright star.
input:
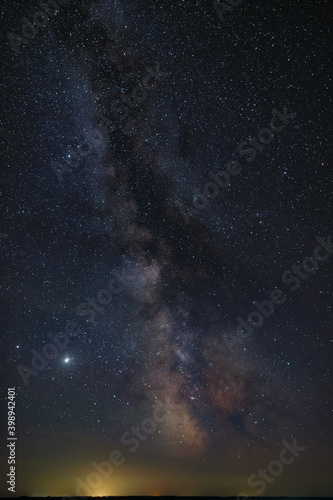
(67, 360)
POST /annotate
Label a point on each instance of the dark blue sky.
(153, 247)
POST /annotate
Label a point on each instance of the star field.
(166, 170)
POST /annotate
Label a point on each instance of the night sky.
(166, 249)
